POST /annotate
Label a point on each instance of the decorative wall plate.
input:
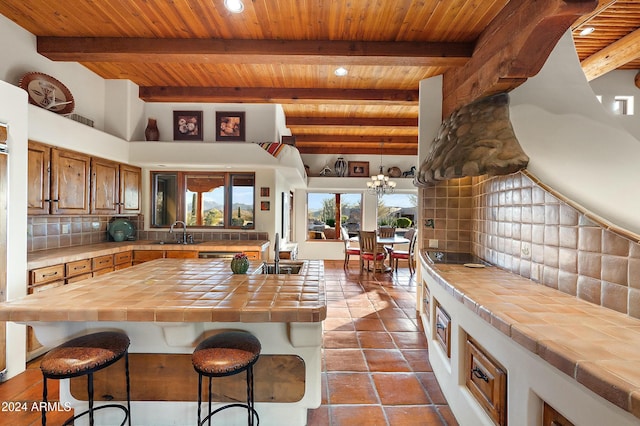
(47, 92)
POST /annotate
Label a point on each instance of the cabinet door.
(130, 184)
(70, 173)
(105, 179)
(38, 184)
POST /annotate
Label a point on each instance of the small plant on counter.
(239, 263)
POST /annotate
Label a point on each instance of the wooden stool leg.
(126, 370)
(44, 400)
(199, 398)
(209, 423)
(90, 392)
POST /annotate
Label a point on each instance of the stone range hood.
(475, 140)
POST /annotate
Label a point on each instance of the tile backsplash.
(51, 232)
(515, 223)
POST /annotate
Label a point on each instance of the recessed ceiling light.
(341, 72)
(234, 6)
(587, 31)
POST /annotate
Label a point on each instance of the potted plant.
(240, 263)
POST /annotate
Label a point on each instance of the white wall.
(620, 83)
(574, 146)
(13, 111)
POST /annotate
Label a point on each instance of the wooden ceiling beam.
(277, 95)
(513, 47)
(356, 149)
(612, 57)
(352, 122)
(302, 52)
(369, 139)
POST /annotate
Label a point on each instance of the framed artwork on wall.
(230, 126)
(265, 205)
(359, 168)
(264, 191)
(187, 125)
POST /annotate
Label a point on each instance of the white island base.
(300, 339)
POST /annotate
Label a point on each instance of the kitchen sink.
(286, 268)
(176, 243)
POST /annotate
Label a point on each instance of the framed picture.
(187, 125)
(265, 205)
(264, 191)
(359, 168)
(230, 126)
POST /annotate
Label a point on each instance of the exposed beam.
(352, 121)
(277, 95)
(356, 149)
(305, 52)
(513, 47)
(612, 57)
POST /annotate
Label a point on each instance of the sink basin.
(175, 243)
(269, 268)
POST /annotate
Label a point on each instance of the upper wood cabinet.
(68, 182)
(39, 162)
(70, 174)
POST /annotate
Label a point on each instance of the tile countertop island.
(581, 359)
(166, 306)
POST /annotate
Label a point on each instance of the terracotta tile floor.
(375, 359)
(376, 367)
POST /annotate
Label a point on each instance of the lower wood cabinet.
(181, 254)
(487, 382)
(141, 256)
(443, 329)
(550, 417)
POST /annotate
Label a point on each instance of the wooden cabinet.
(141, 256)
(42, 279)
(443, 329)
(68, 182)
(550, 417)
(426, 302)
(115, 187)
(181, 254)
(39, 180)
(45, 275)
(102, 265)
(77, 271)
(70, 174)
(130, 189)
(122, 260)
(105, 177)
(487, 382)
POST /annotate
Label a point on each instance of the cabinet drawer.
(140, 256)
(102, 262)
(48, 274)
(78, 278)
(122, 258)
(122, 266)
(443, 329)
(103, 271)
(78, 267)
(44, 287)
(252, 255)
(487, 382)
(182, 254)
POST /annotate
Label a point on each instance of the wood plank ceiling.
(286, 51)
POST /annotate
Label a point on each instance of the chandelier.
(380, 183)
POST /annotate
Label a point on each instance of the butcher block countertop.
(180, 290)
(598, 347)
(44, 258)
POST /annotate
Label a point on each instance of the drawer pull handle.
(440, 326)
(480, 374)
(77, 268)
(51, 274)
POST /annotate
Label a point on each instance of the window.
(324, 210)
(623, 105)
(392, 207)
(203, 199)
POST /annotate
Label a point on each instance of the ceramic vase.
(240, 266)
(340, 167)
(151, 133)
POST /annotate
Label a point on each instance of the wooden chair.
(349, 250)
(370, 250)
(395, 255)
(387, 231)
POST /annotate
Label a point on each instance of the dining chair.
(387, 231)
(396, 255)
(370, 250)
(349, 250)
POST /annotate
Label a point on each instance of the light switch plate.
(433, 243)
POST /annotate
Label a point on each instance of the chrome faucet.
(276, 258)
(184, 231)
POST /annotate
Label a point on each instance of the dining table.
(386, 241)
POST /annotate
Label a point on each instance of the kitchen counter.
(596, 348)
(44, 258)
(166, 306)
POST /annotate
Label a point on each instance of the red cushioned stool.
(84, 356)
(226, 354)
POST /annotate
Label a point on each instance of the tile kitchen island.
(167, 306)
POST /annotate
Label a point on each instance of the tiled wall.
(520, 226)
(52, 232)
